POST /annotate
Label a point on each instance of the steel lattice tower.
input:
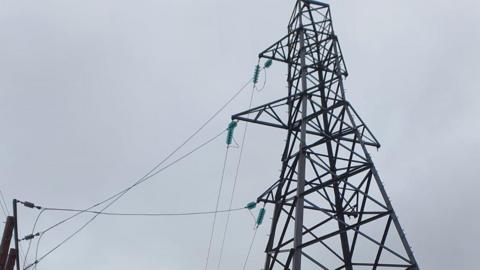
(331, 210)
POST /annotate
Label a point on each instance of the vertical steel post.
(6, 238)
(15, 230)
(12, 257)
(298, 234)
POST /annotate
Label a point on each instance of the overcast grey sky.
(94, 93)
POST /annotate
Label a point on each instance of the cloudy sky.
(95, 93)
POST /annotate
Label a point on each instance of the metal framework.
(331, 210)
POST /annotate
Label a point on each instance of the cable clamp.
(30, 237)
(30, 205)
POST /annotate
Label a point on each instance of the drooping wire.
(4, 204)
(116, 196)
(146, 176)
(33, 231)
(3, 210)
(264, 81)
(212, 231)
(250, 248)
(237, 170)
(123, 214)
(266, 66)
(143, 179)
(150, 214)
(258, 222)
(35, 263)
(37, 260)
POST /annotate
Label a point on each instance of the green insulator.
(232, 125)
(268, 63)
(260, 217)
(230, 129)
(229, 138)
(251, 205)
(256, 73)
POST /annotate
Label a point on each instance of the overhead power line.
(4, 205)
(235, 181)
(149, 173)
(219, 192)
(250, 249)
(32, 233)
(37, 260)
(121, 193)
(148, 214)
(154, 171)
(3, 210)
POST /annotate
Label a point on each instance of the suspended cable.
(4, 204)
(121, 193)
(266, 65)
(3, 210)
(150, 214)
(35, 263)
(147, 175)
(258, 222)
(229, 138)
(32, 233)
(21, 250)
(250, 248)
(237, 170)
(264, 81)
(114, 200)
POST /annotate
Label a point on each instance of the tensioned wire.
(149, 214)
(212, 231)
(250, 248)
(3, 204)
(147, 176)
(33, 231)
(143, 179)
(237, 170)
(3, 210)
(232, 195)
(37, 260)
(119, 214)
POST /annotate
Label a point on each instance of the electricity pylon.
(331, 210)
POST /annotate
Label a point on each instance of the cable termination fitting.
(30, 205)
(30, 236)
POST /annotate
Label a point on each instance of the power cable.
(43, 209)
(232, 195)
(37, 260)
(147, 176)
(35, 263)
(3, 210)
(149, 214)
(4, 204)
(33, 231)
(250, 248)
(216, 207)
(264, 81)
(121, 193)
